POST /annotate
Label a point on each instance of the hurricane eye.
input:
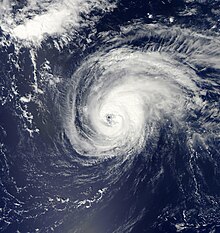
(110, 119)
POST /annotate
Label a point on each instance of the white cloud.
(47, 17)
(49, 23)
(53, 21)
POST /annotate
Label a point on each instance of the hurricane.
(119, 97)
(122, 99)
(109, 116)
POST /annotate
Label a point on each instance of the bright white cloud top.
(56, 17)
